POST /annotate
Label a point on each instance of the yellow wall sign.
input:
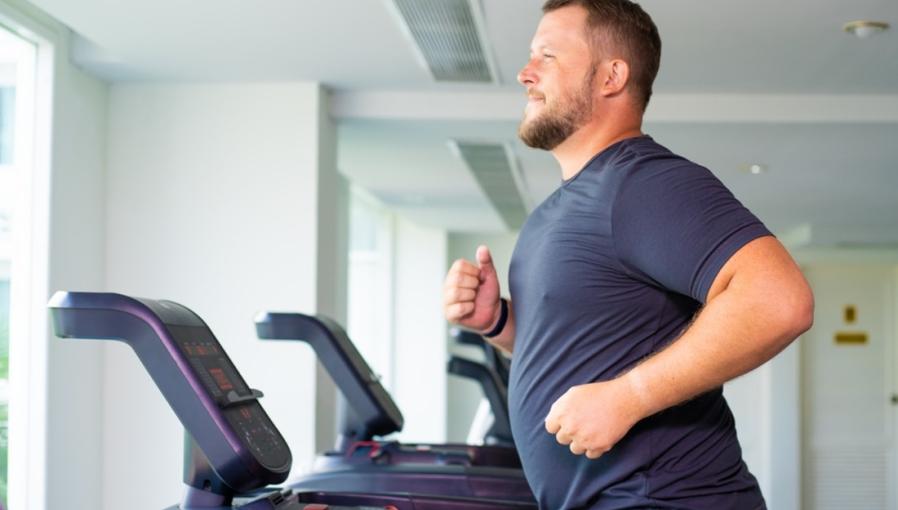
(851, 338)
(850, 314)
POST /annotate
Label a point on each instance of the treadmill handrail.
(372, 411)
(493, 389)
(494, 358)
(465, 337)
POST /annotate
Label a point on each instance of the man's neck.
(586, 142)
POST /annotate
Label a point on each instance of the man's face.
(558, 78)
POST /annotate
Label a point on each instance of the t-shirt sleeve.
(678, 225)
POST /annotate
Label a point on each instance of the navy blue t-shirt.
(607, 270)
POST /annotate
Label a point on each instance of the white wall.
(215, 193)
(463, 396)
(419, 352)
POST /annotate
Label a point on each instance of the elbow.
(800, 316)
(790, 309)
(804, 317)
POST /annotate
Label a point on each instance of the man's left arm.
(758, 303)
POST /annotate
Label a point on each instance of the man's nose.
(527, 76)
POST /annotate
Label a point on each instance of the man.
(638, 288)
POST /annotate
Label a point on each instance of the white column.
(419, 349)
(74, 376)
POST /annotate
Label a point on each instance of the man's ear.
(614, 76)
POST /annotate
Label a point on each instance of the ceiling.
(758, 46)
(839, 172)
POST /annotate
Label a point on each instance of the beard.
(557, 123)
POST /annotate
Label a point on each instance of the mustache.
(534, 94)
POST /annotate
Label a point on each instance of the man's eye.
(547, 56)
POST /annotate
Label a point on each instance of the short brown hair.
(627, 28)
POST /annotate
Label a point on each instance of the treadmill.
(491, 424)
(498, 433)
(232, 449)
(366, 412)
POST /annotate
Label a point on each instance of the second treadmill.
(367, 412)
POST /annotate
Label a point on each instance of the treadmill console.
(238, 403)
(235, 446)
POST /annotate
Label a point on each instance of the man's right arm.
(471, 299)
(505, 339)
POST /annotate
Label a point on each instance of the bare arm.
(759, 302)
(757, 305)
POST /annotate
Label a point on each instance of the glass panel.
(7, 113)
(4, 384)
(6, 186)
(9, 55)
(17, 75)
(370, 285)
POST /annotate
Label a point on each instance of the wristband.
(503, 318)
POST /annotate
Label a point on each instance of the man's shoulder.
(645, 154)
(646, 161)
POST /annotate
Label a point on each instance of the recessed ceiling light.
(753, 168)
(865, 28)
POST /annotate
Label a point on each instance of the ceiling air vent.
(497, 172)
(448, 35)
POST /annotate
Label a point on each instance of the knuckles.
(570, 427)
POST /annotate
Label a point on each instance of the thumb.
(484, 259)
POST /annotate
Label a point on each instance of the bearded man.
(637, 288)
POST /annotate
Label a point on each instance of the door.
(848, 415)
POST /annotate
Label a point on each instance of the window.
(7, 189)
(4, 381)
(17, 68)
(7, 113)
(370, 310)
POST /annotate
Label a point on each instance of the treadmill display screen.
(220, 378)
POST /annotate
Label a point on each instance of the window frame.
(29, 265)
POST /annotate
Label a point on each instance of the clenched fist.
(592, 418)
(471, 293)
